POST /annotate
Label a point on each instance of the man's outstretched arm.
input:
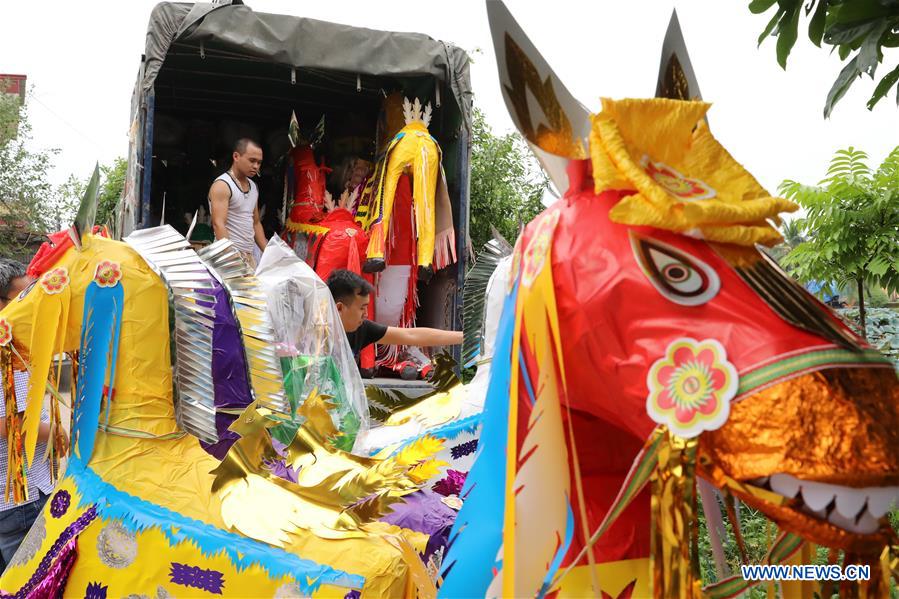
(420, 337)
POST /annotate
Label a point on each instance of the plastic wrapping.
(311, 342)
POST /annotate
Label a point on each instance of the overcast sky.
(81, 59)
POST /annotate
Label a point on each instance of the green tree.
(851, 225)
(112, 182)
(111, 188)
(507, 184)
(857, 28)
(792, 234)
(27, 198)
(68, 196)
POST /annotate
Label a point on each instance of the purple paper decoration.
(44, 568)
(60, 503)
(452, 484)
(54, 583)
(463, 449)
(280, 469)
(229, 372)
(210, 581)
(354, 594)
(95, 591)
(279, 466)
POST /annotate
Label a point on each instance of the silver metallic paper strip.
(249, 307)
(189, 282)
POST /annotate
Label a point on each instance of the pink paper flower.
(108, 274)
(54, 281)
(677, 184)
(691, 387)
(535, 254)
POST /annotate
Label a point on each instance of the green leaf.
(759, 6)
(842, 84)
(861, 10)
(844, 51)
(878, 266)
(771, 24)
(891, 38)
(787, 33)
(868, 54)
(838, 35)
(886, 83)
(816, 25)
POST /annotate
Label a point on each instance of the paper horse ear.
(676, 77)
(552, 121)
(318, 134)
(190, 229)
(293, 130)
(300, 137)
(87, 210)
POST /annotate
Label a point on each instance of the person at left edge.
(16, 520)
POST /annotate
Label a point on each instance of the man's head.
(247, 157)
(12, 280)
(352, 295)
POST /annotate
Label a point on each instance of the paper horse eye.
(680, 277)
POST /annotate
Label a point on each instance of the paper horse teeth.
(867, 523)
(850, 501)
(881, 500)
(837, 519)
(857, 510)
(817, 495)
(820, 514)
(785, 485)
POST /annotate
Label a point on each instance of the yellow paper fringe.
(419, 450)
(424, 587)
(56, 441)
(16, 475)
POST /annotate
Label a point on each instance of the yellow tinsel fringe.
(674, 554)
(16, 475)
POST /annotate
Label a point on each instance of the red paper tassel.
(411, 305)
(353, 263)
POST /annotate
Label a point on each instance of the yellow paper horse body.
(146, 510)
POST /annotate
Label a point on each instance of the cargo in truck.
(213, 73)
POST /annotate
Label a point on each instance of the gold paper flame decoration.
(556, 138)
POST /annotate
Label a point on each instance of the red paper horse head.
(661, 310)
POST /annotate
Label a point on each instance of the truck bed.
(408, 388)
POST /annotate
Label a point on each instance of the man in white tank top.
(233, 200)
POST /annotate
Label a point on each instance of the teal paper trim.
(137, 515)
